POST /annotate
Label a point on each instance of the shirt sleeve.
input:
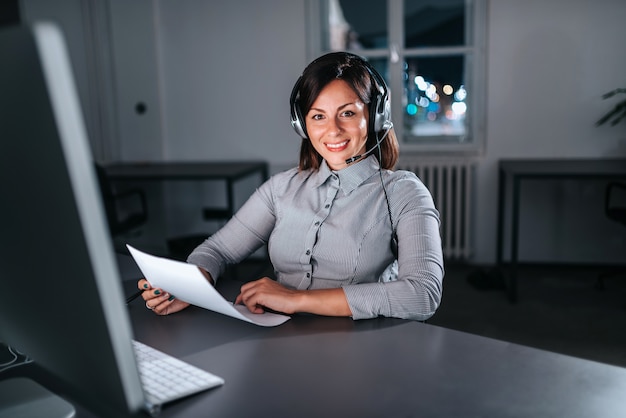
(416, 293)
(243, 234)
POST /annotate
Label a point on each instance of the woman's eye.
(348, 113)
(317, 117)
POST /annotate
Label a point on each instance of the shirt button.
(308, 252)
(327, 205)
(317, 223)
(308, 275)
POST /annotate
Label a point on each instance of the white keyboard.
(166, 378)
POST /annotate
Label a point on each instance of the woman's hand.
(266, 293)
(162, 303)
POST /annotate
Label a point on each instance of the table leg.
(512, 288)
(500, 227)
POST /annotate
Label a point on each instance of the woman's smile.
(336, 147)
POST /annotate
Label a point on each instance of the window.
(431, 54)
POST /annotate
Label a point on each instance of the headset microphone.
(353, 159)
(387, 127)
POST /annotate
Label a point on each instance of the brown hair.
(358, 74)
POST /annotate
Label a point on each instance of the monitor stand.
(24, 398)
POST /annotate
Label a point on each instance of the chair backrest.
(615, 202)
(108, 199)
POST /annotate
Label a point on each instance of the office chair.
(181, 246)
(121, 222)
(615, 210)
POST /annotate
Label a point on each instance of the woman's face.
(337, 124)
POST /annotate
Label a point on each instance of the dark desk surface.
(565, 167)
(336, 367)
(168, 170)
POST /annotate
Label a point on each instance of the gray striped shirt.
(328, 229)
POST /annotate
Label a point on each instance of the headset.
(379, 107)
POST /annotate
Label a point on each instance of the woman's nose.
(335, 126)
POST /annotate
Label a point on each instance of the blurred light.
(460, 94)
(432, 116)
(431, 92)
(411, 109)
(459, 108)
(447, 89)
(420, 83)
(433, 107)
(423, 102)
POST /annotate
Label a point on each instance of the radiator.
(450, 182)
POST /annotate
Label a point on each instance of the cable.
(15, 361)
(394, 236)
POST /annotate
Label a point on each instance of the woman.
(334, 224)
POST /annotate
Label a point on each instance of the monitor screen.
(62, 301)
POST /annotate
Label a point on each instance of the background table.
(516, 171)
(228, 171)
(180, 244)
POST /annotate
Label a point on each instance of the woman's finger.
(143, 284)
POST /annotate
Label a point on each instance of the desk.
(229, 171)
(542, 169)
(336, 367)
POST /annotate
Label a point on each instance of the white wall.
(549, 63)
(228, 69)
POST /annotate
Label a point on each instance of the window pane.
(434, 23)
(382, 67)
(356, 24)
(435, 99)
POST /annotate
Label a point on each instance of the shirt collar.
(350, 177)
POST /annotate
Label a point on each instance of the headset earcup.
(380, 113)
(297, 121)
(380, 107)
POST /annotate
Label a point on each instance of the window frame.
(475, 69)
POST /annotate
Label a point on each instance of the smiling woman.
(346, 235)
(362, 86)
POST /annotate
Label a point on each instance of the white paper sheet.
(186, 282)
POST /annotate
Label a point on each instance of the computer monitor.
(61, 292)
